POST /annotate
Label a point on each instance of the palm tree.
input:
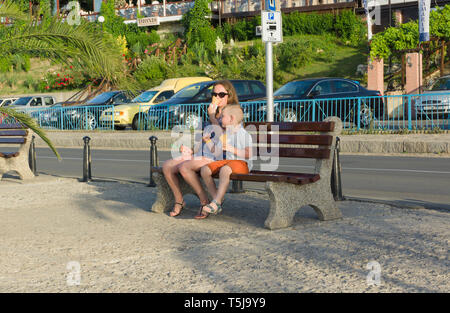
(84, 46)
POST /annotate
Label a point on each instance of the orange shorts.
(237, 166)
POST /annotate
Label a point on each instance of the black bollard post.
(153, 159)
(32, 156)
(236, 186)
(336, 184)
(87, 160)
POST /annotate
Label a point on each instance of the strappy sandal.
(213, 210)
(173, 213)
(201, 215)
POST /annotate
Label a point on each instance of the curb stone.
(377, 144)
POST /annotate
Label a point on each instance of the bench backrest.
(314, 140)
(13, 134)
(296, 139)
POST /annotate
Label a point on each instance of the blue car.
(315, 99)
(188, 107)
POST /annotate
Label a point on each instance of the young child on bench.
(236, 145)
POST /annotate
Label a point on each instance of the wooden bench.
(13, 135)
(288, 192)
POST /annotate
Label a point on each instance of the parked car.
(188, 107)
(4, 102)
(435, 102)
(294, 101)
(87, 115)
(129, 115)
(33, 101)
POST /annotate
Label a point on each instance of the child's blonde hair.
(236, 111)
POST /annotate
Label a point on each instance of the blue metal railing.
(425, 111)
(72, 117)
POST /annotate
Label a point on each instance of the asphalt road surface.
(418, 180)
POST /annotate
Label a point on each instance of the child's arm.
(241, 153)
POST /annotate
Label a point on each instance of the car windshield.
(146, 96)
(293, 89)
(102, 97)
(190, 91)
(22, 101)
(441, 84)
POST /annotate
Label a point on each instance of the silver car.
(436, 100)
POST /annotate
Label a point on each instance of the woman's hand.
(212, 108)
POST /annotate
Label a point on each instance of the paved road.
(418, 180)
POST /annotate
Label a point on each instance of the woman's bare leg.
(189, 172)
(170, 171)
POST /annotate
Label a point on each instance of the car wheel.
(139, 122)
(366, 116)
(89, 121)
(288, 115)
(192, 120)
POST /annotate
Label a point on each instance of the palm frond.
(11, 10)
(29, 122)
(81, 44)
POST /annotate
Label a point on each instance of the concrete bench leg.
(164, 197)
(286, 199)
(19, 163)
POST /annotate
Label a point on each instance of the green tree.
(72, 45)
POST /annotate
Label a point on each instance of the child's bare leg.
(206, 174)
(224, 182)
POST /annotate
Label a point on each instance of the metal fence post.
(87, 174)
(153, 159)
(358, 117)
(313, 117)
(32, 156)
(409, 113)
(336, 184)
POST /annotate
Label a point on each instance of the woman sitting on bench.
(189, 164)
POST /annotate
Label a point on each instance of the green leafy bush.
(308, 23)
(151, 71)
(5, 64)
(113, 23)
(294, 54)
(145, 39)
(349, 27)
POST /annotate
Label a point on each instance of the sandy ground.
(121, 246)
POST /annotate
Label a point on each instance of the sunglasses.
(220, 94)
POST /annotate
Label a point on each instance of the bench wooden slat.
(293, 178)
(311, 153)
(12, 140)
(263, 176)
(8, 155)
(8, 132)
(325, 140)
(296, 126)
(11, 126)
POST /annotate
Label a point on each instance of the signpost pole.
(267, 17)
(269, 81)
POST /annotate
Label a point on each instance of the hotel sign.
(148, 21)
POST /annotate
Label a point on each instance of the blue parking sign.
(271, 16)
(270, 5)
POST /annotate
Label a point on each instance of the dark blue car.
(315, 99)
